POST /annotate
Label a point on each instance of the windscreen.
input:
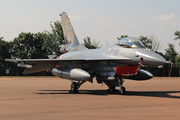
(130, 42)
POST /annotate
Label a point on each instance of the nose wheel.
(122, 88)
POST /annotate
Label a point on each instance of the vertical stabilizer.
(69, 34)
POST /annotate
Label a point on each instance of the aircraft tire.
(123, 91)
(73, 87)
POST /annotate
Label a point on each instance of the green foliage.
(171, 53)
(177, 34)
(5, 49)
(151, 42)
(147, 42)
(177, 61)
(122, 36)
(38, 45)
(53, 39)
(5, 52)
(89, 44)
(29, 46)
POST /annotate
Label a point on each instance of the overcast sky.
(102, 20)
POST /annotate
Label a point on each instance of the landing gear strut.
(75, 86)
(122, 88)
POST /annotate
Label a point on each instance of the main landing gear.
(75, 86)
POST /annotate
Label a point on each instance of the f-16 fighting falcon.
(108, 65)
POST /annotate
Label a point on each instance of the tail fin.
(69, 34)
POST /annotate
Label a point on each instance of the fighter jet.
(107, 65)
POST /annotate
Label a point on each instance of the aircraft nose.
(151, 58)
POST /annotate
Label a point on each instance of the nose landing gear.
(122, 88)
(120, 82)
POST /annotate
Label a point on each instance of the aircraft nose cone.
(151, 58)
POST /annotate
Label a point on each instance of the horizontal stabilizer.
(12, 60)
(52, 56)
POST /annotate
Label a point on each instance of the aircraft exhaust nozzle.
(72, 74)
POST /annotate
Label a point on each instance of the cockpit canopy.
(130, 42)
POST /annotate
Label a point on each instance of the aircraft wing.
(108, 59)
(35, 61)
(46, 64)
(41, 64)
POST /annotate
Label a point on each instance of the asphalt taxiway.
(27, 98)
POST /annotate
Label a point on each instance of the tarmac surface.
(48, 98)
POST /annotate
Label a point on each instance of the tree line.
(40, 45)
(30, 46)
